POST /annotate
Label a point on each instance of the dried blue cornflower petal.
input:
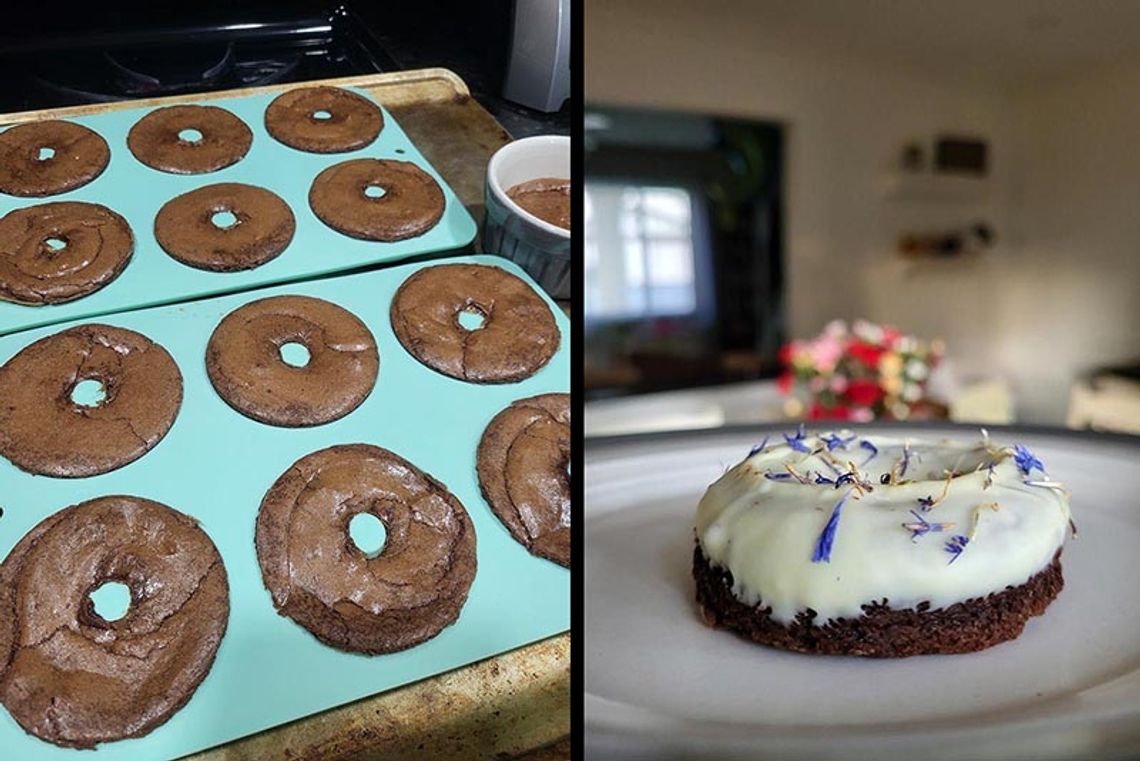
(874, 450)
(926, 503)
(1026, 460)
(955, 545)
(797, 442)
(759, 447)
(822, 479)
(844, 478)
(923, 526)
(822, 552)
(835, 441)
(778, 476)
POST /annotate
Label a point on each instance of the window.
(639, 252)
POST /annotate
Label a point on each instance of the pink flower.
(817, 384)
(862, 415)
(825, 353)
(839, 383)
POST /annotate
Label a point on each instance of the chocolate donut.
(262, 228)
(155, 139)
(522, 463)
(347, 121)
(517, 338)
(45, 158)
(318, 577)
(56, 252)
(411, 204)
(43, 431)
(243, 360)
(73, 678)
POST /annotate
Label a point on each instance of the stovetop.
(100, 57)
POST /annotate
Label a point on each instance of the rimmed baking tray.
(216, 465)
(137, 192)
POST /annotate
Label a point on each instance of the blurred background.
(857, 209)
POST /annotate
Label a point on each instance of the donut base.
(882, 631)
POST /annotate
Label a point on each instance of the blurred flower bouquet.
(868, 372)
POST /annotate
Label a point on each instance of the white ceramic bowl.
(542, 249)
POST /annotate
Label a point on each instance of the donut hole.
(190, 135)
(89, 393)
(322, 115)
(368, 534)
(224, 220)
(294, 354)
(56, 244)
(375, 191)
(111, 600)
(45, 153)
(471, 318)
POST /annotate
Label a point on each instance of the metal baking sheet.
(137, 192)
(216, 465)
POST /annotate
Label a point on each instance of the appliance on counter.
(538, 74)
(56, 54)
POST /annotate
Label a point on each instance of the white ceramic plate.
(660, 684)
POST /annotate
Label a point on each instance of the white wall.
(1073, 301)
(846, 118)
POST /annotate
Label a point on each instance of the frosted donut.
(869, 545)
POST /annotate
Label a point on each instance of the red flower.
(785, 354)
(863, 393)
(785, 382)
(866, 353)
(818, 412)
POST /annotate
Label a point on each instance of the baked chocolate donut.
(262, 227)
(517, 338)
(323, 119)
(155, 139)
(522, 463)
(318, 577)
(410, 204)
(244, 362)
(45, 158)
(43, 431)
(60, 251)
(73, 678)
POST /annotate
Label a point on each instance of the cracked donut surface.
(55, 252)
(517, 338)
(49, 157)
(245, 365)
(159, 139)
(407, 202)
(263, 227)
(317, 576)
(348, 122)
(523, 462)
(43, 431)
(70, 677)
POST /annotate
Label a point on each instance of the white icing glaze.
(765, 531)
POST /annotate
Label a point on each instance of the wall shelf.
(934, 186)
